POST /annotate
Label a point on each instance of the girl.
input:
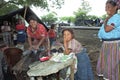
(84, 70)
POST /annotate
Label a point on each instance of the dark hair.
(70, 30)
(52, 26)
(113, 3)
(32, 18)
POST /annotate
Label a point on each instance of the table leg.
(72, 67)
(39, 78)
(32, 78)
(58, 75)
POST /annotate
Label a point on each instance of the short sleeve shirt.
(39, 33)
(75, 46)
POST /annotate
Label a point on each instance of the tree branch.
(5, 3)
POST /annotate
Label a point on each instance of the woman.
(21, 34)
(6, 29)
(84, 70)
(108, 62)
(52, 34)
(37, 34)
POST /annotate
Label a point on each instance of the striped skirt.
(108, 64)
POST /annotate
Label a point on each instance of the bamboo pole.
(25, 12)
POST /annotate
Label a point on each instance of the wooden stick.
(72, 67)
(25, 12)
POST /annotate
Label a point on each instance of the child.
(84, 70)
(52, 34)
(15, 38)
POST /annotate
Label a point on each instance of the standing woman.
(52, 34)
(108, 64)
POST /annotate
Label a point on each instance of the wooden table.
(39, 69)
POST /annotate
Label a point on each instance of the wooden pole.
(25, 12)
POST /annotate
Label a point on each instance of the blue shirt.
(113, 34)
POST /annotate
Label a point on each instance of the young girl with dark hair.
(84, 69)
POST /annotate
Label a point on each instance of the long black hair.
(113, 3)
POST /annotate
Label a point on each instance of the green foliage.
(68, 19)
(103, 17)
(81, 15)
(44, 4)
(83, 11)
(8, 8)
(85, 6)
(49, 18)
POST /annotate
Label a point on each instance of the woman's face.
(110, 9)
(33, 23)
(67, 35)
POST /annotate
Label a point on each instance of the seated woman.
(84, 69)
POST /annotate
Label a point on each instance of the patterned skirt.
(108, 64)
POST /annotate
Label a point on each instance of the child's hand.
(65, 40)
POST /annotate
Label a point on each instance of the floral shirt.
(39, 33)
(75, 46)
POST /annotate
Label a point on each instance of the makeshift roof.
(29, 12)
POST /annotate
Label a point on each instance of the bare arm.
(41, 41)
(30, 42)
(108, 28)
(67, 50)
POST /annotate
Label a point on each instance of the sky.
(98, 8)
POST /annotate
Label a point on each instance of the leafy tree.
(49, 18)
(82, 13)
(103, 17)
(44, 4)
(8, 8)
(68, 19)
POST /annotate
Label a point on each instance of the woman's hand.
(36, 47)
(107, 28)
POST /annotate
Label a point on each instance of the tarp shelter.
(29, 12)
